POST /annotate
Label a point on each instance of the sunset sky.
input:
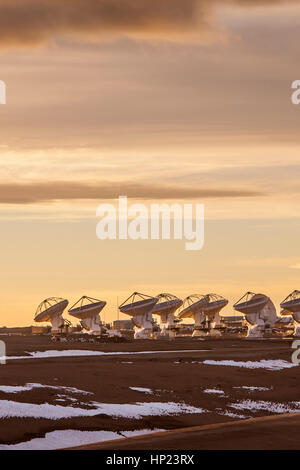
(183, 101)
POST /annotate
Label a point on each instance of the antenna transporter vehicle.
(51, 310)
(291, 306)
(139, 307)
(165, 308)
(87, 310)
(259, 311)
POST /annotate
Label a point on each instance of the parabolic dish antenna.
(259, 311)
(251, 303)
(215, 305)
(165, 308)
(139, 307)
(87, 310)
(193, 304)
(212, 313)
(292, 302)
(50, 310)
(193, 307)
(291, 305)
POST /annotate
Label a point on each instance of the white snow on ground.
(231, 415)
(139, 432)
(263, 364)
(10, 409)
(214, 391)
(16, 389)
(72, 438)
(252, 389)
(141, 389)
(29, 386)
(271, 407)
(65, 398)
(83, 352)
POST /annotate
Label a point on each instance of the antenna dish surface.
(251, 303)
(86, 307)
(292, 302)
(50, 308)
(259, 311)
(143, 305)
(215, 304)
(87, 310)
(291, 305)
(192, 305)
(167, 304)
(165, 308)
(139, 307)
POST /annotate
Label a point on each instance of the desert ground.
(52, 397)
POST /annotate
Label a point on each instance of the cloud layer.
(28, 22)
(33, 21)
(18, 193)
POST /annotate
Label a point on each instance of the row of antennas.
(204, 309)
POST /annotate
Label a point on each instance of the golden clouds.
(25, 22)
(26, 193)
(32, 21)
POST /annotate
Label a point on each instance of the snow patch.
(252, 389)
(72, 438)
(271, 407)
(30, 386)
(12, 409)
(263, 364)
(231, 415)
(82, 352)
(141, 389)
(214, 391)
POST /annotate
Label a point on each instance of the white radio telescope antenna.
(291, 305)
(165, 308)
(139, 307)
(212, 313)
(259, 311)
(51, 310)
(87, 310)
(193, 307)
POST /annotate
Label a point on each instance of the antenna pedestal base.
(93, 325)
(215, 332)
(143, 333)
(199, 332)
(255, 332)
(57, 323)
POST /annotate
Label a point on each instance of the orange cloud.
(24, 22)
(19, 193)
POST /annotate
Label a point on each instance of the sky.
(184, 101)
